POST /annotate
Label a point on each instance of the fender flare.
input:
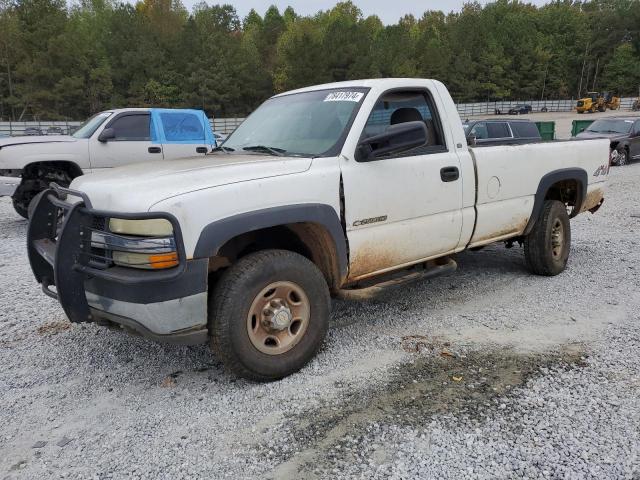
(217, 233)
(577, 174)
(621, 144)
(73, 167)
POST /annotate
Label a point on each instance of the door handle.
(202, 149)
(449, 174)
(155, 150)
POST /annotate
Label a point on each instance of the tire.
(541, 250)
(623, 157)
(19, 205)
(29, 188)
(238, 323)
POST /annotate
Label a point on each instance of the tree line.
(67, 61)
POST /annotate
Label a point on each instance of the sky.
(389, 11)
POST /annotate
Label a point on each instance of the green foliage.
(622, 72)
(62, 59)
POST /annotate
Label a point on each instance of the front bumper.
(166, 305)
(8, 185)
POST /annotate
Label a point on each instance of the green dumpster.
(547, 130)
(578, 126)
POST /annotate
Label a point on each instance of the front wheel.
(30, 187)
(269, 314)
(622, 157)
(547, 246)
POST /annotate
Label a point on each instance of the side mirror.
(106, 135)
(472, 139)
(396, 139)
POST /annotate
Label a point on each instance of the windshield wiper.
(224, 149)
(278, 152)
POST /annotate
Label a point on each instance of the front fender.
(216, 234)
(19, 156)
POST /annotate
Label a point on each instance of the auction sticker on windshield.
(344, 97)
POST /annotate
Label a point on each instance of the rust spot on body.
(516, 227)
(370, 259)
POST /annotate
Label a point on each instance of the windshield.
(610, 126)
(87, 128)
(302, 124)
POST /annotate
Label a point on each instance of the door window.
(479, 130)
(498, 130)
(182, 126)
(409, 106)
(525, 130)
(131, 128)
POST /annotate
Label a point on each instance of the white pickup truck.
(334, 190)
(108, 139)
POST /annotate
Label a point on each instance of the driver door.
(407, 207)
(131, 144)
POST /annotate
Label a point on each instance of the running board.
(368, 292)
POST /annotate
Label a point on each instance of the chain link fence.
(225, 126)
(490, 108)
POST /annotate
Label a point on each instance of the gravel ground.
(487, 373)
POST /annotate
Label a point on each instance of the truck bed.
(508, 177)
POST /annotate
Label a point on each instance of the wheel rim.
(557, 238)
(278, 318)
(622, 157)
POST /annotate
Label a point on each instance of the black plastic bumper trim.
(191, 282)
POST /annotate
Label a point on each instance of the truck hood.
(25, 140)
(137, 187)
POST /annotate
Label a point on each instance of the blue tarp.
(180, 126)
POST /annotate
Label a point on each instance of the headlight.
(147, 244)
(152, 227)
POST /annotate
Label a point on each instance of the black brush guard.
(59, 247)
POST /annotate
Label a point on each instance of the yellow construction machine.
(611, 101)
(598, 102)
(591, 103)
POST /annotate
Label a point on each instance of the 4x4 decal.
(601, 170)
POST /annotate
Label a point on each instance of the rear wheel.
(547, 246)
(269, 314)
(30, 187)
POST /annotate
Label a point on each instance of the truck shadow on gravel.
(473, 386)
(473, 268)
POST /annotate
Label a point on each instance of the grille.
(99, 223)
(98, 255)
